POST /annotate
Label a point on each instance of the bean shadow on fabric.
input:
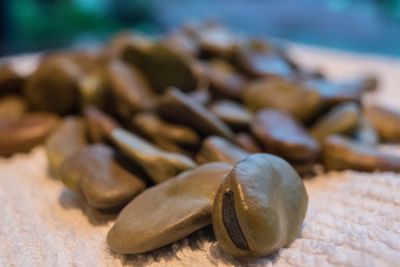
(70, 200)
(219, 255)
(195, 241)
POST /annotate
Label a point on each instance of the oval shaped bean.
(302, 102)
(104, 183)
(23, 134)
(168, 211)
(259, 207)
(341, 153)
(282, 135)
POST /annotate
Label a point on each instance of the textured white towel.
(353, 219)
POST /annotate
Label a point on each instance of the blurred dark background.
(371, 26)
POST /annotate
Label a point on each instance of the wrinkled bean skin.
(259, 207)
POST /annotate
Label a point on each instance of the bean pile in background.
(196, 127)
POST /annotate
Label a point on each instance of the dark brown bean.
(282, 135)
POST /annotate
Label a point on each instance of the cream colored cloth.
(353, 218)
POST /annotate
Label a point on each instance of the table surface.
(353, 218)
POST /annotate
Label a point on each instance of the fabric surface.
(353, 218)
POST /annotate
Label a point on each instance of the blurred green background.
(371, 26)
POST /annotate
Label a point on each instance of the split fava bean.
(259, 207)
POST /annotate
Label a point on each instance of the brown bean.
(176, 106)
(341, 153)
(281, 134)
(23, 134)
(386, 121)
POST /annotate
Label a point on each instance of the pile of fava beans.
(197, 127)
